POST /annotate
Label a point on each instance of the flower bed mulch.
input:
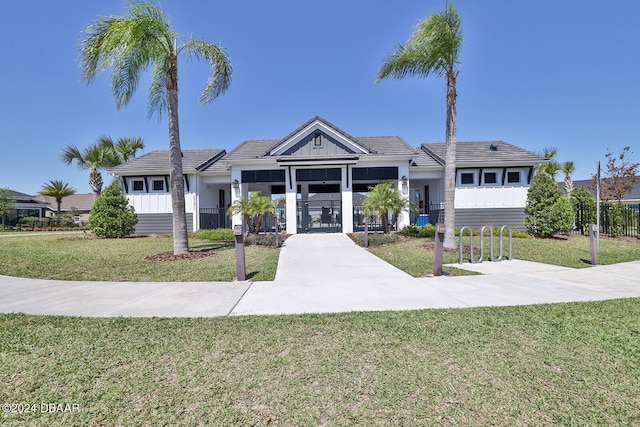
(169, 256)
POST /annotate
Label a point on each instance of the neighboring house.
(323, 174)
(632, 197)
(25, 205)
(145, 181)
(77, 204)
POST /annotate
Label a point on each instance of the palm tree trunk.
(568, 186)
(180, 238)
(450, 164)
(95, 181)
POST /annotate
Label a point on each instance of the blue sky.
(538, 74)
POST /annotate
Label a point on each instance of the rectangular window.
(513, 177)
(158, 185)
(490, 178)
(262, 175)
(138, 185)
(467, 178)
(375, 173)
(331, 174)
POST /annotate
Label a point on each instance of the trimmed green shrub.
(111, 216)
(427, 230)
(548, 210)
(224, 234)
(264, 239)
(376, 239)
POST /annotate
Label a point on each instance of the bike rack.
(470, 245)
(491, 245)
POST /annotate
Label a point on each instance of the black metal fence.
(616, 220)
(211, 218)
(374, 221)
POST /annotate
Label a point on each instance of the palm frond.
(127, 43)
(433, 48)
(158, 89)
(568, 167)
(71, 153)
(221, 69)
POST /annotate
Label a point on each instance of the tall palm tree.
(568, 168)
(434, 48)
(94, 158)
(58, 190)
(124, 149)
(130, 43)
(551, 167)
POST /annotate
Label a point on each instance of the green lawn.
(566, 364)
(65, 257)
(415, 255)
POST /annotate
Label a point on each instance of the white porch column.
(404, 188)
(291, 187)
(236, 193)
(347, 200)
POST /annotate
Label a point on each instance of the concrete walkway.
(320, 273)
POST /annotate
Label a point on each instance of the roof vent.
(493, 147)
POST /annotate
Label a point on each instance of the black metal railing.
(616, 220)
(374, 221)
(212, 218)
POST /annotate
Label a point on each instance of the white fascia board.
(252, 163)
(317, 125)
(385, 159)
(317, 163)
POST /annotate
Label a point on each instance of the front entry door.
(319, 215)
(321, 212)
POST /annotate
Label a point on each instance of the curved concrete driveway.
(324, 273)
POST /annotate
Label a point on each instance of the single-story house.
(25, 205)
(77, 204)
(632, 197)
(322, 173)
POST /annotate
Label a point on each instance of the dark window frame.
(509, 175)
(494, 181)
(464, 178)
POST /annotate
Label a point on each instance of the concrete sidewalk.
(320, 273)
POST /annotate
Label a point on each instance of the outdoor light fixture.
(405, 183)
(235, 184)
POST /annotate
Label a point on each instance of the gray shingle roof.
(252, 149)
(158, 162)
(82, 202)
(469, 154)
(422, 160)
(385, 145)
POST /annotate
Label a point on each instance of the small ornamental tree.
(384, 200)
(111, 216)
(620, 176)
(548, 210)
(6, 204)
(253, 209)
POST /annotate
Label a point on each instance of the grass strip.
(65, 258)
(415, 256)
(576, 363)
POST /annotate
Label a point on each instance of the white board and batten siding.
(491, 197)
(155, 213)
